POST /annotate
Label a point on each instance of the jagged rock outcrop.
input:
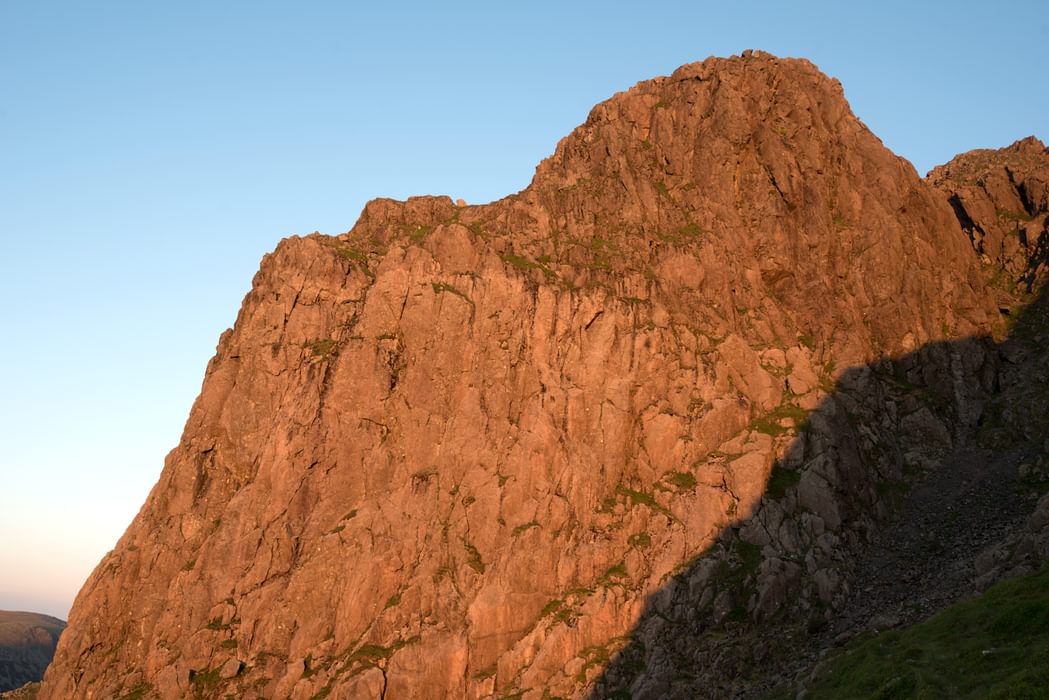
(458, 450)
(1001, 199)
(966, 480)
(27, 643)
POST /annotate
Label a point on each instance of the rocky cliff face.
(462, 451)
(1001, 199)
(918, 481)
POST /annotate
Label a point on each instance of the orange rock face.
(452, 452)
(1001, 198)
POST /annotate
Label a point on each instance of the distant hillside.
(27, 643)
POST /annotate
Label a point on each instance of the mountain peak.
(460, 449)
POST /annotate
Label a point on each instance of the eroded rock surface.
(460, 451)
(1001, 199)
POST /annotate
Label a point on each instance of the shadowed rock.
(27, 643)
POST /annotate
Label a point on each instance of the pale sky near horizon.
(153, 152)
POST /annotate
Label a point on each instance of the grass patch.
(996, 646)
(732, 577)
(137, 693)
(614, 575)
(526, 526)
(417, 233)
(321, 347)
(552, 607)
(439, 287)
(772, 422)
(216, 624)
(780, 480)
(640, 498)
(827, 380)
(680, 481)
(369, 654)
(607, 505)
(519, 261)
(749, 555)
(356, 256)
(640, 540)
(1005, 214)
(205, 682)
(473, 558)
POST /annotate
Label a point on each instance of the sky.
(152, 153)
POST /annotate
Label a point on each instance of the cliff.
(461, 451)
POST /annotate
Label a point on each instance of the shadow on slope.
(872, 519)
(27, 644)
(995, 647)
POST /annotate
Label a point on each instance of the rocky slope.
(27, 643)
(490, 451)
(1001, 199)
(957, 504)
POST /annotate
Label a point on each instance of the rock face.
(460, 451)
(27, 643)
(1001, 198)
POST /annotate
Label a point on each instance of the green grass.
(415, 233)
(322, 347)
(680, 481)
(640, 540)
(996, 646)
(614, 575)
(356, 256)
(522, 263)
(525, 526)
(780, 480)
(205, 682)
(519, 261)
(473, 558)
(770, 423)
(216, 624)
(552, 607)
(640, 498)
(439, 287)
(138, 692)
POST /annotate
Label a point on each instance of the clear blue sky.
(151, 153)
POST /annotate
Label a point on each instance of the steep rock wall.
(452, 452)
